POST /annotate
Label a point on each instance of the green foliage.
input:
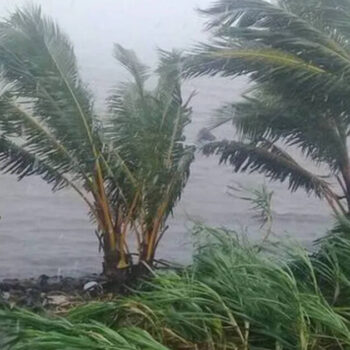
(234, 296)
(260, 200)
(37, 332)
(129, 165)
(297, 55)
(146, 131)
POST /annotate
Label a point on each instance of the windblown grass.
(234, 296)
(26, 330)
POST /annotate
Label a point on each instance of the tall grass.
(234, 296)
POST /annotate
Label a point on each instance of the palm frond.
(226, 61)
(263, 14)
(170, 73)
(39, 61)
(19, 123)
(291, 74)
(331, 17)
(267, 116)
(129, 60)
(16, 160)
(271, 43)
(269, 160)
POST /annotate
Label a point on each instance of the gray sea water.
(49, 233)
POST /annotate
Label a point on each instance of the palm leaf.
(170, 71)
(268, 159)
(17, 120)
(15, 160)
(267, 116)
(272, 44)
(129, 60)
(39, 61)
(263, 14)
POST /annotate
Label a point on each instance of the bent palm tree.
(129, 167)
(297, 53)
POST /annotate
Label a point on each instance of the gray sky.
(143, 25)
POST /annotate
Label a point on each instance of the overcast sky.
(144, 25)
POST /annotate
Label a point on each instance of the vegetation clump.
(236, 295)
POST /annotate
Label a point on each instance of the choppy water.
(41, 232)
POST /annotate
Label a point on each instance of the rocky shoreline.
(51, 291)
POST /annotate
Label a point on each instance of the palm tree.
(146, 131)
(297, 55)
(129, 166)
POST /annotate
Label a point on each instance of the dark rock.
(42, 280)
(53, 283)
(8, 284)
(44, 291)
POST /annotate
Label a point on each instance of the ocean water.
(49, 233)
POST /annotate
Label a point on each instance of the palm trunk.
(346, 177)
(150, 239)
(110, 262)
(115, 259)
(148, 247)
(145, 248)
(114, 256)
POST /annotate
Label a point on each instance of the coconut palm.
(297, 56)
(129, 166)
